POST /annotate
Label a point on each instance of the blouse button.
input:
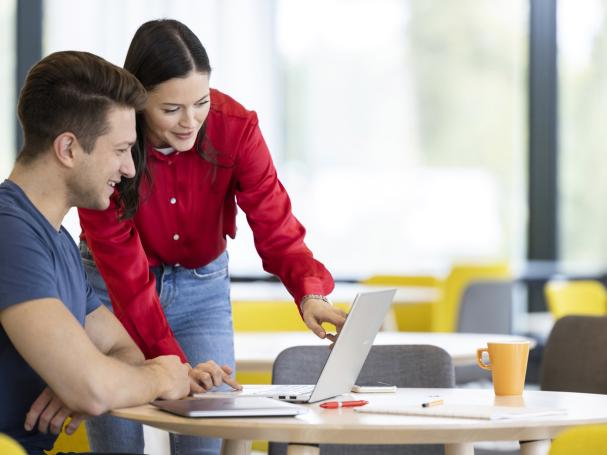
(172, 200)
(176, 237)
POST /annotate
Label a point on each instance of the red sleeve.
(122, 262)
(278, 235)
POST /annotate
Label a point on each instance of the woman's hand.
(206, 375)
(317, 311)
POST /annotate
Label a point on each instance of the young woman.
(161, 247)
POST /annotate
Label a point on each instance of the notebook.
(347, 356)
(463, 411)
(229, 407)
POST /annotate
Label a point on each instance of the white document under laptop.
(347, 356)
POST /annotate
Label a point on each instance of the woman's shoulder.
(226, 106)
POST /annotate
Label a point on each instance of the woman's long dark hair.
(160, 50)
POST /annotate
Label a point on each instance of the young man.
(62, 354)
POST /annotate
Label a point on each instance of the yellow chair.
(402, 280)
(576, 297)
(266, 316)
(586, 440)
(408, 317)
(8, 446)
(77, 442)
(445, 313)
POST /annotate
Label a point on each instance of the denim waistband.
(85, 252)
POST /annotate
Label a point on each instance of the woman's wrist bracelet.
(307, 297)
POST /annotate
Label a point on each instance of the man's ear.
(65, 147)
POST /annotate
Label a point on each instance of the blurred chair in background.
(402, 280)
(77, 442)
(576, 297)
(403, 366)
(575, 358)
(409, 317)
(8, 446)
(586, 440)
(486, 306)
(446, 313)
(266, 316)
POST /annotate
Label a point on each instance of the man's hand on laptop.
(172, 374)
(316, 311)
(49, 412)
(206, 375)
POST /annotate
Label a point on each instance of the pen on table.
(427, 404)
(343, 404)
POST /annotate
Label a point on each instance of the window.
(7, 87)
(405, 130)
(582, 40)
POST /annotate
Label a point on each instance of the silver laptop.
(347, 356)
(229, 407)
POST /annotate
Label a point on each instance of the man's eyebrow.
(127, 143)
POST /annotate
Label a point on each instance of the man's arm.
(111, 338)
(86, 380)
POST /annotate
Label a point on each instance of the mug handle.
(479, 358)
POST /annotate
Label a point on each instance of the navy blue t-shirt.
(36, 262)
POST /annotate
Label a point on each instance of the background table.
(256, 351)
(346, 426)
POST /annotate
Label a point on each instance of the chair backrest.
(585, 297)
(76, 442)
(446, 312)
(403, 366)
(409, 316)
(266, 316)
(487, 307)
(575, 358)
(587, 440)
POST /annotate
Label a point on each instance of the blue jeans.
(197, 306)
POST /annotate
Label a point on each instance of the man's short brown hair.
(72, 91)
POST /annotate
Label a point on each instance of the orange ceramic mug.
(508, 365)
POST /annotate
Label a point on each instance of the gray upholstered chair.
(487, 306)
(575, 355)
(403, 366)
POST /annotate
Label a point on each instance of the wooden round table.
(346, 426)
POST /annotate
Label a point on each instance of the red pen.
(343, 404)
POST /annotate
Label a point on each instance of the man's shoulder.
(15, 221)
(18, 216)
(12, 203)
